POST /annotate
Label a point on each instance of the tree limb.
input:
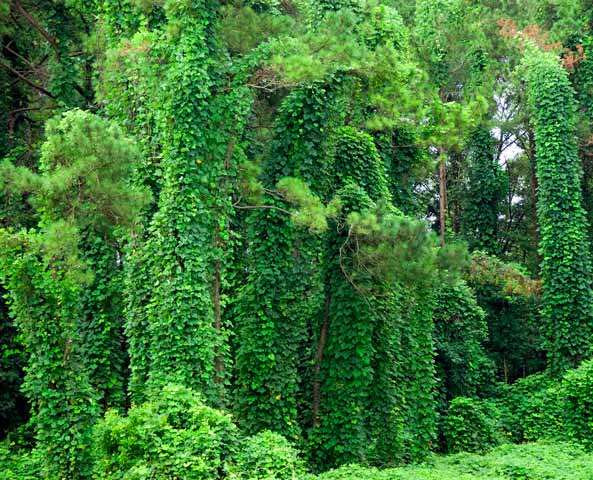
(28, 82)
(271, 207)
(37, 27)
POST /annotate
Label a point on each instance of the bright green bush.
(557, 461)
(536, 407)
(267, 456)
(470, 426)
(174, 436)
(20, 464)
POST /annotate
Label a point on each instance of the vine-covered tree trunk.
(284, 294)
(102, 327)
(566, 265)
(64, 404)
(178, 334)
(367, 383)
(67, 316)
(484, 194)
(342, 435)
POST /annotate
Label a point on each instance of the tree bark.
(218, 360)
(318, 360)
(35, 24)
(442, 197)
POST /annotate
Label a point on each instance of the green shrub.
(267, 456)
(531, 409)
(558, 461)
(538, 461)
(19, 464)
(470, 426)
(537, 407)
(577, 403)
(175, 436)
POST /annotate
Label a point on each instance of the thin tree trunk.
(318, 360)
(38, 27)
(442, 198)
(216, 285)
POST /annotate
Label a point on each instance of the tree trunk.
(318, 360)
(442, 197)
(216, 285)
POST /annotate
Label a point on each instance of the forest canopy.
(296, 239)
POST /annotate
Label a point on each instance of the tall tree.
(566, 266)
(82, 189)
(176, 330)
(485, 190)
(280, 300)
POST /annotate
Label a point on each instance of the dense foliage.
(541, 460)
(265, 239)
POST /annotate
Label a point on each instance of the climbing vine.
(567, 301)
(460, 330)
(405, 164)
(368, 390)
(280, 301)
(346, 372)
(176, 332)
(81, 188)
(245, 225)
(102, 322)
(485, 190)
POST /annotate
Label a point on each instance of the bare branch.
(271, 207)
(34, 68)
(28, 82)
(37, 27)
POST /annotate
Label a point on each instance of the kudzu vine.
(281, 299)
(369, 399)
(567, 303)
(176, 329)
(82, 196)
(485, 190)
